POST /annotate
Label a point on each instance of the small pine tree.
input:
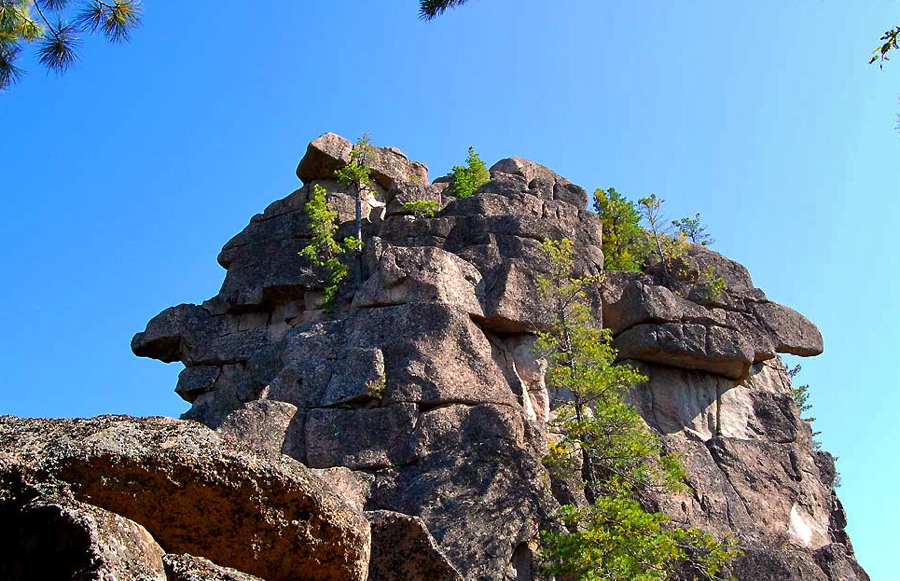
(665, 246)
(599, 429)
(357, 176)
(622, 234)
(693, 229)
(466, 179)
(323, 251)
(800, 395)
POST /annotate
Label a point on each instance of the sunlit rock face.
(420, 400)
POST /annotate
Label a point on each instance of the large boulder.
(47, 534)
(421, 274)
(551, 185)
(681, 324)
(331, 152)
(718, 350)
(196, 493)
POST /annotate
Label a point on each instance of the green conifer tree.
(693, 230)
(623, 239)
(468, 178)
(357, 176)
(324, 251)
(604, 439)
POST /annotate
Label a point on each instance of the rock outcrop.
(132, 490)
(419, 407)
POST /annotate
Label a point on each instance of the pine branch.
(9, 72)
(431, 9)
(57, 50)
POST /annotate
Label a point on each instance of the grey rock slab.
(542, 179)
(331, 152)
(481, 502)
(793, 332)
(324, 156)
(838, 564)
(640, 303)
(169, 335)
(354, 486)
(718, 350)
(737, 277)
(417, 274)
(777, 564)
(367, 438)
(193, 381)
(265, 426)
(447, 428)
(402, 548)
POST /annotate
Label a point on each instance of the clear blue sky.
(122, 180)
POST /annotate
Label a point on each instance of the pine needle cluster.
(54, 26)
(430, 9)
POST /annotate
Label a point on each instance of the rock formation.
(401, 436)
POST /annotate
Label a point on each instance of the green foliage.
(617, 540)
(323, 251)
(623, 237)
(357, 175)
(713, 284)
(375, 387)
(800, 395)
(468, 178)
(605, 440)
(665, 246)
(629, 246)
(693, 229)
(422, 208)
(53, 26)
(598, 428)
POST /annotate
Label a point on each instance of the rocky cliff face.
(419, 406)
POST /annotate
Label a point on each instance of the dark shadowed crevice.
(42, 543)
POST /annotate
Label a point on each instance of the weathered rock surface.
(685, 328)
(420, 400)
(191, 568)
(47, 534)
(402, 548)
(194, 493)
